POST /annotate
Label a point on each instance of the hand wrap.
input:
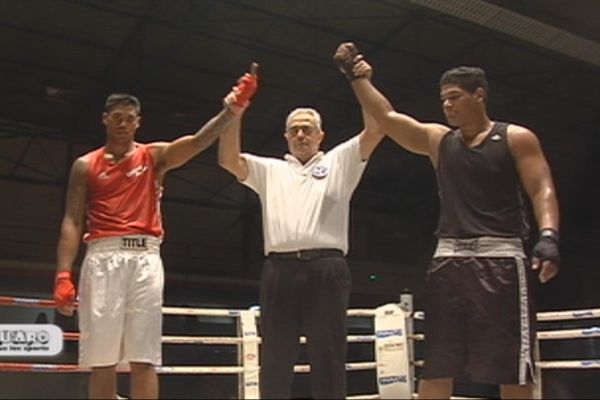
(245, 89)
(346, 56)
(546, 249)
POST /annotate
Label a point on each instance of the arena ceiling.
(60, 58)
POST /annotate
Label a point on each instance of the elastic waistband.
(128, 242)
(305, 255)
(484, 246)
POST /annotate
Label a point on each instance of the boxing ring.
(393, 339)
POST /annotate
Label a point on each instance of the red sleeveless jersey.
(123, 198)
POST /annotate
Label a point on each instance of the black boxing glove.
(546, 249)
(345, 58)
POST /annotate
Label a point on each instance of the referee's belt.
(305, 255)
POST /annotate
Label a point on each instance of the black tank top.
(479, 187)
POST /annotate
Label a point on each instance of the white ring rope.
(356, 366)
(547, 315)
(568, 315)
(363, 397)
(590, 332)
(569, 364)
(420, 315)
(550, 364)
(580, 333)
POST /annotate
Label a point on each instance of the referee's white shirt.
(306, 206)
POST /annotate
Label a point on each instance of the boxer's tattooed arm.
(211, 131)
(174, 154)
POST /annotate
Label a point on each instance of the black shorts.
(479, 320)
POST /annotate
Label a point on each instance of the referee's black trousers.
(307, 297)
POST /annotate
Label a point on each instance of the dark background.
(59, 60)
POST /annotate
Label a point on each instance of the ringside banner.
(391, 353)
(28, 340)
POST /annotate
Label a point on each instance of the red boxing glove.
(245, 89)
(64, 290)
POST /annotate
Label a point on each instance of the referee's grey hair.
(304, 110)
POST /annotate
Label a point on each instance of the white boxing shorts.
(120, 302)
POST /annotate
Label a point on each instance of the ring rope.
(363, 397)
(26, 302)
(419, 337)
(546, 315)
(568, 315)
(549, 364)
(592, 331)
(74, 336)
(173, 370)
(33, 367)
(582, 333)
(569, 364)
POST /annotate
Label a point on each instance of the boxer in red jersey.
(113, 203)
